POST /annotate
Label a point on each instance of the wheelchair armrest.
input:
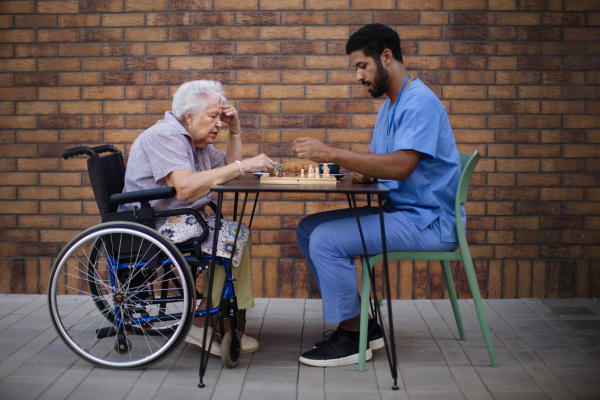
(213, 207)
(143, 196)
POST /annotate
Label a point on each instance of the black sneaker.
(337, 350)
(375, 336)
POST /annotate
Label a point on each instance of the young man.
(413, 147)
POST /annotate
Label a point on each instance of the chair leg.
(485, 329)
(453, 301)
(364, 316)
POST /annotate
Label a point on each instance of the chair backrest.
(107, 176)
(468, 164)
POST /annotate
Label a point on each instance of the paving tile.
(470, 384)
(23, 387)
(427, 376)
(504, 375)
(563, 359)
(548, 382)
(434, 392)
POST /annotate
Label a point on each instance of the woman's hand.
(260, 163)
(231, 118)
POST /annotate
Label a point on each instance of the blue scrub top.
(421, 124)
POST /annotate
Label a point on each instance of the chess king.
(413, 150)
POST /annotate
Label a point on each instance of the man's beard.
(381, 80)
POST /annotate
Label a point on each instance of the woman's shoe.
(249, 344)
(195, 337)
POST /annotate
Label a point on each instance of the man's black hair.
(373, 39)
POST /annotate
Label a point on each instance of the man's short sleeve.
(168, 152)
(417, 127)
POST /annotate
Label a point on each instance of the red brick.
(68, 64)
(537, 63)
(562, 78)
(539, 180)
(464, 62)
(102, 121)
(541, 121)
(503, 33)
(124, 78)
(123, 49)
(540, 34)
(192, 34)
(78, 21)
(502, 92)
(518, 107)
(304, 18)
(218, 19)
(150, 5)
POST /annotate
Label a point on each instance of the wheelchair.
(141, 287)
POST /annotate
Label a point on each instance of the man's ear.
(386, 57)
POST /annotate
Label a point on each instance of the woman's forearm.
(192, 186)
(234, 148)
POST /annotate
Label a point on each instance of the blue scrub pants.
(330, 241)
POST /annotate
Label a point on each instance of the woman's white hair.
(193, 97)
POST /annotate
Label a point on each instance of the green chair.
(468, 163)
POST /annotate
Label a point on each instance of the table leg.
(204, 361)
(253, 209)
(394, 361)
(391, 358)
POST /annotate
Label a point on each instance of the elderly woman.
(178, 151)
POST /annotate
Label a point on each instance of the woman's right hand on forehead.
(260, 163)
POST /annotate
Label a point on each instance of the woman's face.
(205, 125)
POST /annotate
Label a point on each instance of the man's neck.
(398, 75)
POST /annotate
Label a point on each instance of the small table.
(251, 184)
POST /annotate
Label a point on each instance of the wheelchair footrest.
(104, 333)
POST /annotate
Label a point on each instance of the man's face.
(370, 73)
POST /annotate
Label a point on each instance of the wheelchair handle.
(81, 150)
(76, 151)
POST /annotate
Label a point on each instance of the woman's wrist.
(235, 130)
(241, 167)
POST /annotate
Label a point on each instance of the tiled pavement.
(546, 348)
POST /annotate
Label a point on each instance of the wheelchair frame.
(124, 293)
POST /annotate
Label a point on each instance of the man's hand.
(312, 149)
(357, 177)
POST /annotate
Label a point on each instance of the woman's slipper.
(195, 337)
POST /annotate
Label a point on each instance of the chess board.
(296, 180)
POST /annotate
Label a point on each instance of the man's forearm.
(397, 166)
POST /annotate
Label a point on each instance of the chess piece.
(296, 171)
(302, 171)
(325, 171)
(280, 172)
(311, 171)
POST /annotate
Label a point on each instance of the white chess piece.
(311, 171)
(302, 173)
(325, 171)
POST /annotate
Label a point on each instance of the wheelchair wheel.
(231, 350)
(140, 296)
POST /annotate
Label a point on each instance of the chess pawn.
(280, 172)
(311, 172)
(325, 171)
(302, 171)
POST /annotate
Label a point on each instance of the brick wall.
(520, 80)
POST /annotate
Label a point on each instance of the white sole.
(376, 344)
(335, 362)
(193, 341)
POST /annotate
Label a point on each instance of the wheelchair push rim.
(140, 292)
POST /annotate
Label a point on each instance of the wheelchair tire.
(240, 323)
(140, 296)
(231, 350)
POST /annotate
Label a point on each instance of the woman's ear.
(188, 118)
